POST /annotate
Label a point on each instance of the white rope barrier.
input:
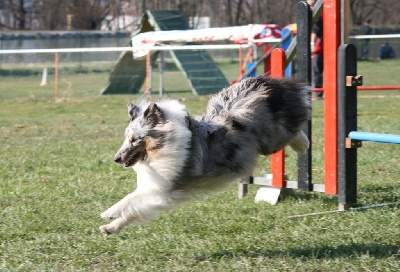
(124, 49)
(386, 36)
(164, 47)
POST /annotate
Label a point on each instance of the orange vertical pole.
(331, 38)
(267, 61)
(278, 59)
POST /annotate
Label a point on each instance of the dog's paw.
(109, 229)
(105, 230)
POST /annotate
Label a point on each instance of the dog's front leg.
(115, 210)
(136, 208)
(124, 212)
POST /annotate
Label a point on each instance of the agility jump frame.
(334, 29)
(341, 138)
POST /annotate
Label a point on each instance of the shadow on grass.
(378, 251)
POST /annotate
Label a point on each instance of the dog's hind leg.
(300, 142)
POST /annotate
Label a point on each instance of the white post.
(44, 77)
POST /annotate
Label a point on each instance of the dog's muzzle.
(129, 154)
(130, 161)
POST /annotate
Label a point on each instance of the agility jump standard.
(349, 138)
(340, 113)
(279, 59)
(334, 15)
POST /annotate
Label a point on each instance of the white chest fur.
(148, 179)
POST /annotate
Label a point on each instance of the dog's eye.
(133, 139)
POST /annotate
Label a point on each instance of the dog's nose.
(118, 159)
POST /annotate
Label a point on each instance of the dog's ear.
(133, 111)
(153, 114)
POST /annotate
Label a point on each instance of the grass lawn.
(57, 175)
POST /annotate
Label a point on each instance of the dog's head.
(138, 134)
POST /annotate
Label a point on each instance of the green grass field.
(57, 175)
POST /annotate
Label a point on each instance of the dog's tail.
(273, 110)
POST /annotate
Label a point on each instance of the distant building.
(199, 22)
(123, 22)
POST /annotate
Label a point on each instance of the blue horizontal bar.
(375, 137)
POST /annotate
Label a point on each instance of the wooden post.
(267, 61)
(347, 114)
(345, 11)
(56, 63)
(303, 19)
(148, 75)
(240, 53)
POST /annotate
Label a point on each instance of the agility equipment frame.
(341, 81)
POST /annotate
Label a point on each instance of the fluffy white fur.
(154, 177)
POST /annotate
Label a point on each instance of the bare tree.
(387, 14)
(17, 8)
(238, 12)
(55, 18)
(88, 14)
(363, 9)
